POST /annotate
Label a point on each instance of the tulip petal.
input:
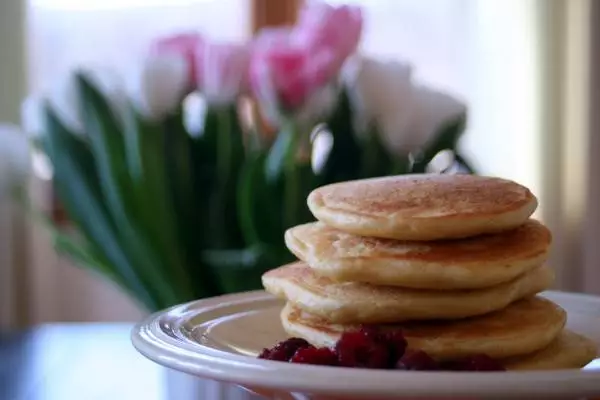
(304, 58)
(222, 74)
(186, 45)
(159, 87)
(433, 109)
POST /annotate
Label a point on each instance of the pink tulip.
(186, 45)
(288, 66)
(291, 71)
(218, 70)
(222, 71)
(323, 25)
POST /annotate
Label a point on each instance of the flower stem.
(292, 188)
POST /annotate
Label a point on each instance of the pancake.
(521, 328)
(365, 303)
(423, 207)
(476, 262)
(569, 350)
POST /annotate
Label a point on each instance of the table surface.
(78, 361)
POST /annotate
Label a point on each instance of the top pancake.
(423, 207)
(477, 262)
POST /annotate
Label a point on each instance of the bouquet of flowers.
(181, 178)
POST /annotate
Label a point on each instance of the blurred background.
(526, 69)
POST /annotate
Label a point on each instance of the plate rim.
(153, 339)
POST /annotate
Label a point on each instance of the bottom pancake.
(569, 350)
(523, 327)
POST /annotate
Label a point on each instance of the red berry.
(396, 344)
(371, 332)
(355, 349)
(416, 360)
(377, 357)
(315, 356)
(478, 362)
(294, 343)
(265, 353)
(283, 351)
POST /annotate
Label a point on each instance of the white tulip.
(194, 113)
(159, 87)
(15, 158)
(379, 90)
(322, 145)
(432, 110)
(408, 115)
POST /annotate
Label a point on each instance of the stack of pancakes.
(453, 261)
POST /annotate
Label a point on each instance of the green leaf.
(108, 146)
(85, 257)
(281, 172)
(255, 195)
(307, 182)
(153, 201)
(282, 153)
(242, 270)
(376, 160)
(401, 165)
(79, 249)
(182, 184)
(231, 157)
(221, 154)
(236, 259)
(203, 151)
(77, 185)
(217, 156)
(256, 140)
(344, 160)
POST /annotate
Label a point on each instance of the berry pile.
(372, 348)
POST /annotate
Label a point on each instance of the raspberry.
(293, 344)
(315, 356)
(283, 351)
(416, 360)
(393, 340)
(478, 362)
(371, 332)
(265, 354)
(355, 349)
(396, 344)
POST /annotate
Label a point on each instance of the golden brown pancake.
(476, 262)
(423, 207)
(568, 350)
(365, 303)
(521, 328)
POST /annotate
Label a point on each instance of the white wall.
(68, 33)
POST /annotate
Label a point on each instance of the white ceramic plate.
(219, 339)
